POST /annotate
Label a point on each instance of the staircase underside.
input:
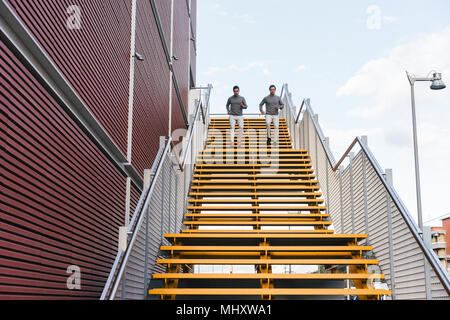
(259, 206)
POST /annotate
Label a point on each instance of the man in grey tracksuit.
(234, 106)
(273, 105)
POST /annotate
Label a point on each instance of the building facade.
(440, 241)
(64, 132)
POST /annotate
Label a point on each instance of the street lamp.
(436, 84)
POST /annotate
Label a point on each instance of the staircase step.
(284, 181)
(303, 216)
(253, 170)
(230, 222)
(256, 194)
(255, 176)
(267, 248)
(315, 201)
(351, 276)
(249, 237)
(259, 208)
(256, 231)
(270, 291)
(270, 187)
(268, 261)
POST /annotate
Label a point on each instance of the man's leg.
(232, 124)
(241, 128)
(268, 121)
(276, 122)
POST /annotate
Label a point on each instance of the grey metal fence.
(160, 209)
(361, 199)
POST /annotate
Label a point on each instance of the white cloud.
(300, 68)
(375, 18)
(383, 81)
(379, 94)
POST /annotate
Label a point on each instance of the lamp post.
(436, 84)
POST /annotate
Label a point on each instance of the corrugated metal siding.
(62, 201)
(181, 38)
(407, 255)
(193, 51)
(151, 97)
(165, 211)
(93, 59)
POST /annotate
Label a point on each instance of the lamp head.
(138, 56)
(436, 82)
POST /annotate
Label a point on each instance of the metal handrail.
(226, 114)
(138, 215)
(191, 129)
(431, 257)
(114, 279)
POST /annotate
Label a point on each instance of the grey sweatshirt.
(271, 102)
(234, 105)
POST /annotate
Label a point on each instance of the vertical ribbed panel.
(193, 51)
(408, 258)
(94, 59)
(181, 38)
(164, 214)
(62, 200)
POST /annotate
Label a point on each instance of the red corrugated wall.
(194, 25)
(62, 199)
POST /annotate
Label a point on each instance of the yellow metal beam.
(328, 276)
(269, 261)
(267, 248)
(268, 291)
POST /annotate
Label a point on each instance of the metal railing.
(361, 199)
(160, 208)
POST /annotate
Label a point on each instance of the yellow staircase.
(259, 205)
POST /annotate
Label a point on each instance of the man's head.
(272, 89)
(236, 90)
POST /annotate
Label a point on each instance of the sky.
(349, 57)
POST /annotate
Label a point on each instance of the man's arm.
(244, 104)
(261, 104)
(228, 105)
(281, 103)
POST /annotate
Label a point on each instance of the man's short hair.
(272, 86)
(235, 87)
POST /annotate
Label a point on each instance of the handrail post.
(316, 118)
(293, 131)
(148, 175)
(304, 131)
(169, 225)
(388, 177)
(341, 169)
(327, 142)
(351, 155)
(307, 133)
(162, 204)
(366, 210)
